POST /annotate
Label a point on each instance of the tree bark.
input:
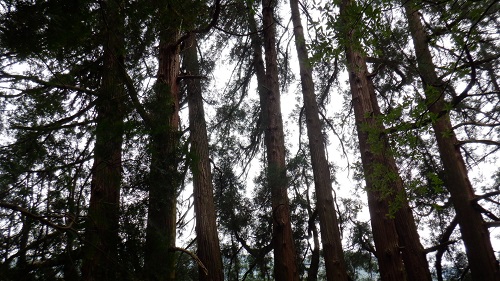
(330, 233)
(414, 255)
(312, 271)
(475, 234)
(204, 207)
(285, 267)
(374, 152)
(164, 178)
(101, 236)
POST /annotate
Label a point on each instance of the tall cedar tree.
(101, 238)
(383, 183)
(475, 234)
(285, 267)
(330, 233)
(164, 178)
(204, 208)
(413, 253)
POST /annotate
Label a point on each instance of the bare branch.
(41, 219)
(487, 142)
(479, 124)
(192, 255)
(134, 97)
(493, 224)
(486, 195)
(439, 246)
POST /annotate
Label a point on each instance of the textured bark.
(414, 255)
(383, 227)
(204, 207)
(330, 233)
(312, 271)
(101, 237)
(285, 268)
(164, 181)
(373, 153)
(475, 234)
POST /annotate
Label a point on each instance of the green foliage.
(51, 72)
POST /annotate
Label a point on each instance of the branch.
(237, 34)
(189, 76)
(479, 124)
(41, 219)
(485, 196)
(59, 124)
(445, 237)
(485, 212)
(39, 81)
(458, 99)
(479, 62)
(256, 253)
(493, 224)
(336, 134)
(487, 142)
(35, 245)
(439, 246)
(213, 22)
(192, 255)
(134, 97)
(58, 260)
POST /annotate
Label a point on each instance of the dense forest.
(249, 140)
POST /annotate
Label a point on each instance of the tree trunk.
(101, 237)
(164, 178)
(204, 207)
(373, 152)
(285, 268)
(475, 234)
(330, 233)
(375, 169)
(312, 271)
(414, 255)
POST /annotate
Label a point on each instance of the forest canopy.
(249, 140)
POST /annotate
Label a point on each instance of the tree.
(164, 178)
(383, 183)
(94, 151)
(101, 250)
(285, 267)
(483, 263)
(53, 131)
(206, 228)
(330, 233)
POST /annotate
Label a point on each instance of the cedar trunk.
(383, 227)
(285, 268)
(100, 260)
(475, 234)
(206, 227)
(159, 259)
(330, 233)
(375, 166)
(414, 255)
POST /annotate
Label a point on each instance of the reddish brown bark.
(285, 268)
(414, 255)
(374, 167)
(330, 233)
(164, 178)
(373, 150)
(475, 234)
(204, 207)
(100, 260)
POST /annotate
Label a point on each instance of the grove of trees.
(249, 140)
